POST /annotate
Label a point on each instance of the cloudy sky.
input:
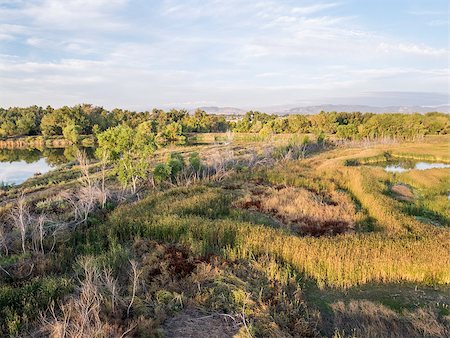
(140, 54)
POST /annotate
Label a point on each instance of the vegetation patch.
(303, 211)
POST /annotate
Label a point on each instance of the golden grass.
(304, 211)
(367, 185)
(429, 179)
(296, 203)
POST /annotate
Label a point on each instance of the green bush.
(195, 161)
(19, 305)
(161, 172)
(176, 164)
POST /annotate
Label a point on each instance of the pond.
(400, 166)
(17, 165)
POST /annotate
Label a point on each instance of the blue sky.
(141, 54)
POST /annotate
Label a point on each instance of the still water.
(17, 165)
(19, 171)
(401, 166)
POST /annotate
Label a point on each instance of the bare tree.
(135, 274)
(85, 199)
(229, 137)
(3, 238)
(38, 233)
(83, 163)
(20, 216)
(81, 314)
(111, 285)
(103, 163)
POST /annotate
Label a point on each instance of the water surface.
(19, 171)
(400, 166)
(17, 165)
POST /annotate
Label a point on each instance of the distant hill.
(222, 110)
(365, 109)
(310, 110)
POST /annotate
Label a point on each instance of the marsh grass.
(189, 217)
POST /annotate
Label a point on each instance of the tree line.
(170, 126)
(86, 119)
(351, 126)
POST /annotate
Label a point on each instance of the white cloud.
(74, 15)
(411, 48)
(313, 8)
(222, 52)
(10, 31)
(438, 22)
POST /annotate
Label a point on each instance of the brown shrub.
(307, 212)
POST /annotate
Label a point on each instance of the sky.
(140, 54)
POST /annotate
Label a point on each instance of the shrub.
(195, 161)
(161, 172)
(176, 164)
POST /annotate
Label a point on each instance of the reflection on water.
(425, 166)
(17, 165)
(18, 171)
(401, 166)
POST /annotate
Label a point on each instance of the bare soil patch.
(402, 192)
(193, 324)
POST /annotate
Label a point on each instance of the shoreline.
(39, 142)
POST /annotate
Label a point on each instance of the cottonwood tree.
(129, 150)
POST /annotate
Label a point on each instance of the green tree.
(71, 132)
(298, 124)
(129, 150)
(176, 163)
(347, 132)
(172, 132)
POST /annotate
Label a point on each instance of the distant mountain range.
(367, 109)
(309, 110)
(222, 110)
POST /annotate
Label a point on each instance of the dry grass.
(82, 315)
(199, 225)
(306, 212)
(368, 186)
(372, 320)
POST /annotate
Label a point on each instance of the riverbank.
(39, 142)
